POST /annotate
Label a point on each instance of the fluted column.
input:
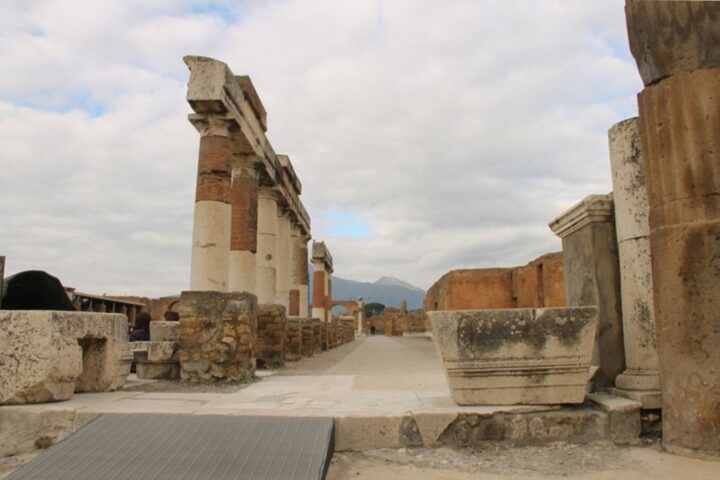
(304, 275)
(640, 380)
(267, 245)
(244, 223)
(676, 45)
(282, 281)
(211, 220)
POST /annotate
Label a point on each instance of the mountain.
(387, 290)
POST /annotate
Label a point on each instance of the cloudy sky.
(428, 135)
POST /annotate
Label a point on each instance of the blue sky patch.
(346, 224)
(216, 9)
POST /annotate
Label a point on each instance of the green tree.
(372, 309)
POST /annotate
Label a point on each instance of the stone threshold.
(24, 429)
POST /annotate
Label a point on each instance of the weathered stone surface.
(158, 371)
(164, 331)
(271, 336)
(540, 283)
(317, 334)
(293, 339)
(668, 37)
(640, 380)
(679, 121)
(308, 338)
(624, 417)
(592, 273)
(520, 356)
(217, 336)
(48, 355)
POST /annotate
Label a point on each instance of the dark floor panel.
(184, 447)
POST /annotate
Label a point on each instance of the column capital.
(216, 125)
(593, 208)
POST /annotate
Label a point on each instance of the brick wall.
(540, 283)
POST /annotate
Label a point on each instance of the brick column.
(304, 275)
(211, 222)
(319, 283)
(295, 269)
(267, 245)
(328, 295)
(282, 279)
(676, 45)
(243, 228)
(640, 381)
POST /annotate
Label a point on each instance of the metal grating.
(184, 447)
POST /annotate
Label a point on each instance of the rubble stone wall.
(217, 336)
(270, 349)
(293, 339)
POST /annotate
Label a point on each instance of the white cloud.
(455, 130)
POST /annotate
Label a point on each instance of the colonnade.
(250, 229)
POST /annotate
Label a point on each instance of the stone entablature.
(48, 355)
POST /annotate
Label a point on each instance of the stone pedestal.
(47, 355)
(211, 221)
(592, 274)
(676, 47)
(271, 336)
(317, 334)
(641, 380)
(267, 246)
(161, 352)
(244, 220)
(217, 336)
(517, 356)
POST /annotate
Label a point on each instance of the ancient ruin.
(322, 282)
(516, 356)
(540, 283)
(676, 45)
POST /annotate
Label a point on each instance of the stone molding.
(591, 209)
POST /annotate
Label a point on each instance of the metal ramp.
(184, 447)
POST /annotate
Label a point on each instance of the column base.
(640, 386)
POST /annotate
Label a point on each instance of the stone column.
(319, 285)
(211, 222)
(592, 276)
(282, 281)
(304, 275)
(295, 269)
(676, 45)
(266, 245)
(243, 226)
(360, 316)
(640, 381)
(328, 296)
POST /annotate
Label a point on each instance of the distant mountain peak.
(397, 282)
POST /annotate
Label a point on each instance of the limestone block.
(160, 352)
(520, 356)
(158, 371)
(624, 422)
(163, 331)
(50, 354)
(592, 272)
(671, 36)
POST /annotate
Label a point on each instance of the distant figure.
(34, 290)
(141, 330)
(372, 330)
